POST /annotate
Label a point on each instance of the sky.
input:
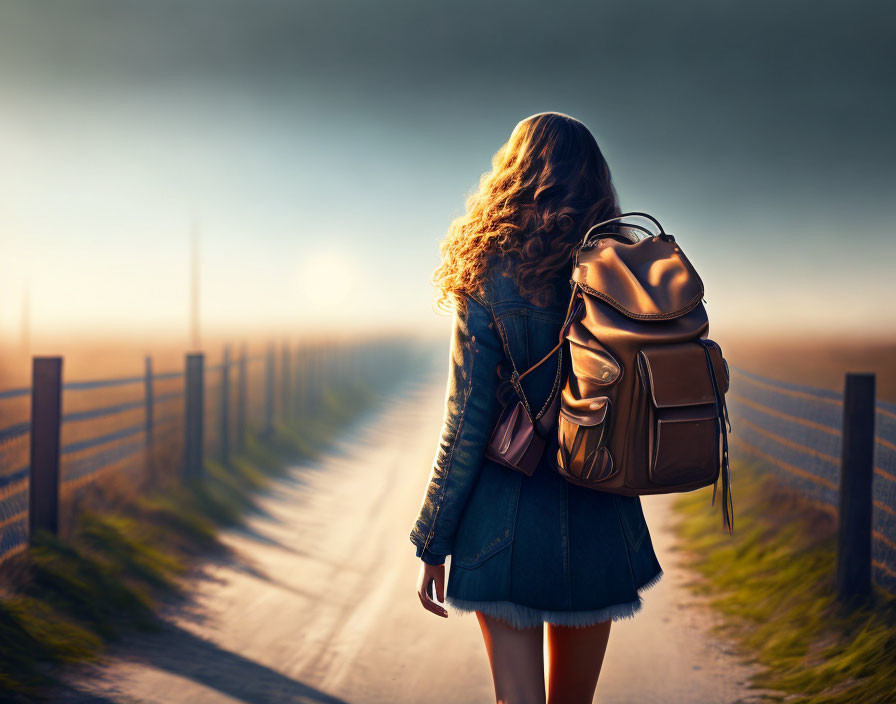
(322, 148)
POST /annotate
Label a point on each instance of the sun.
(326, 281)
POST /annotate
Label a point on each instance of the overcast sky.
(323, 148)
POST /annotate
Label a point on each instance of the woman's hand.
(435, 575)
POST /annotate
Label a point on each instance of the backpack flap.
(649, 280)
(582, 432)
(592, 365)
(677, 375)
(586, 411)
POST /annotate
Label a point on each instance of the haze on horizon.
(323, 148)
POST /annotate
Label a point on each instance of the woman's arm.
(471, 410)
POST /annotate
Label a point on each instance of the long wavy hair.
(548, 184)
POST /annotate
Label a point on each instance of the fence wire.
(793, 428)
(104, 431)
(796, 430)
(102, 438)
(14, 471)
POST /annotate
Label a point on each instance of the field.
(818, 362)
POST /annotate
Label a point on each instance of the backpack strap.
(633, 214)
(724, 428)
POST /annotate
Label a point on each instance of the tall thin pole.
(269, 386)
(149, 420)
(286, 371)
(194, 424)
(194, 287)
(25, 339)
(242, 394)
(224, 411)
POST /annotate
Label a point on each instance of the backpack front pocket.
(582, 434)
(683, 442)
(586, 414)
(685, 447)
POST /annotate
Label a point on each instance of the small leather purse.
(518, 440)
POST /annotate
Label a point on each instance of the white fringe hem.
(519, 616)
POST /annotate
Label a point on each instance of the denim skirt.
(570, 555)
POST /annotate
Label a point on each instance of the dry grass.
(773, 582)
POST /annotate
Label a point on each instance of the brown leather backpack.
(642, 409)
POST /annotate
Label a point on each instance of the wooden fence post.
(194, 426)
(856, 474)
(46, 414)
(224, 414)
(269, 385)
(149, 400)
(242, 395)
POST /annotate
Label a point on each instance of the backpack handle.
(634, 214)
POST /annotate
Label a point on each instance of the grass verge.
(773, 582)
(63, 600)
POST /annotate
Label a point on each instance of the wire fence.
(129, 430)
(797, 430)
(14, 475)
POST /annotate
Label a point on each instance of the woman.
(526, 551)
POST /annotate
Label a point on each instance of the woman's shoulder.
(499, 281)
(499, 284)
(501, 290)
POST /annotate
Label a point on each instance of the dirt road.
(319, 605)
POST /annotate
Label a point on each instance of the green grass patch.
(63, 600)
(773, 582)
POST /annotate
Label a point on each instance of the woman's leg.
(517, 660)
(575, 656)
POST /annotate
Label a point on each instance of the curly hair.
(549, 182)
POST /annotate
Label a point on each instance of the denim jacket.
(499, 326)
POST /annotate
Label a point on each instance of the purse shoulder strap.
(571, 311)
(516, 377)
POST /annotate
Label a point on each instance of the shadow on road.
(181, 653)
